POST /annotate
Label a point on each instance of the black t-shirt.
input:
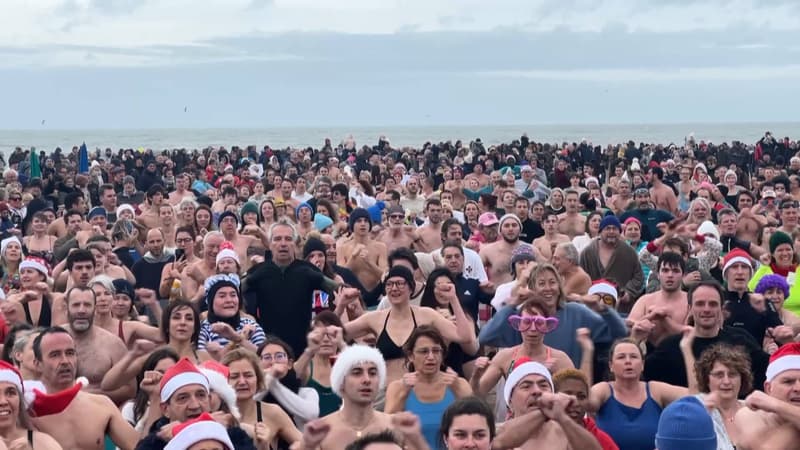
(530, 230)
(666, 362)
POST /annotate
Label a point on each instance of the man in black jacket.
(184, 394)
(705, 302)
(279, 291)
(469, 290)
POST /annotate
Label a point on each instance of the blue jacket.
(605, 327)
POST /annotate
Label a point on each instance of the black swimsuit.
(386, 345)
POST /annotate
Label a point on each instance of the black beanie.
(312, 245)
(227, 214)
(404, 273)
(358, 213)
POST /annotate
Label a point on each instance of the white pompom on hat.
(352, 356)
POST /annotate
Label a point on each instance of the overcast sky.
(261, 63)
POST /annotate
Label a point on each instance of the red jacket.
(604, 439)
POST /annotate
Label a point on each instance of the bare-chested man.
(572, 222)
(397, 234)
(97, 348)
(664, 312)
(166, 215)
(98, 226)
(194, 276)
(367, 258)
(540, 418)
(80, 265)
(623, 198)
(357, 376)
(496, 256)
(181, 191)
(430, 233)
(100, 249)
(304, 216)
(150, 216)
(73, 201)
(729, 222)
(547, 244)
(79, 420)
(663, 196)
(228, 222)
(771, 419)
(750, 223)
(566, 260)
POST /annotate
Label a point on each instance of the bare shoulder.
(100, 403)
(44, 441)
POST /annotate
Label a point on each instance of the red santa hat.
(10, 374)
(44, 404)
(785, 358)
(522, 368)
(38, 264)
(603, 287)
(226, 250)
(202, 428)
(218, 375)
(734, 256)
(181, 374)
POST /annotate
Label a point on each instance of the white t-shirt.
(473, 265)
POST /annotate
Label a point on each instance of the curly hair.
(732, 357)
(569, 374)
(771, 281)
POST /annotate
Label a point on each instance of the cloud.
(749, 73)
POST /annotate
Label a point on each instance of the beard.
(511, 240)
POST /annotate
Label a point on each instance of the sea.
(297, 137)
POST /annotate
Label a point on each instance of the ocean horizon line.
(407, 126)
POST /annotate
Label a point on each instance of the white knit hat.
(708, 227)
(352, 356)
(226, 250)
(521, 371)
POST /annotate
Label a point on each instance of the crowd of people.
(457, 295)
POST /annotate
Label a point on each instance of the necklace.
(360, 430)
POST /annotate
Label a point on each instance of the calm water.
(415, 136)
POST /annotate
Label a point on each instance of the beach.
(599, 134)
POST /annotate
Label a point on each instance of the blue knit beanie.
(685, 425)
(610, 221)
(321, 222)
(301, 206)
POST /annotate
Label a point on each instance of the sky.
(92, 64)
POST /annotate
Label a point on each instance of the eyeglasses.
(277, 357)
(435, 351)
(397, 216)
(15, 199)
(395, 284)
(789, 204)
(183, 241)
(540, 323)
